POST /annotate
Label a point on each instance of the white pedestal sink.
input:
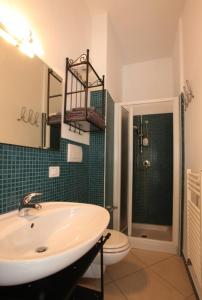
(45, 241)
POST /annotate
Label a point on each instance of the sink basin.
(45, 241)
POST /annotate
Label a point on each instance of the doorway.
(162, 235)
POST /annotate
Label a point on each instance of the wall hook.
(188, 94)
(31, 118)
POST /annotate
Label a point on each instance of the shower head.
(136, 129)
(145, 140)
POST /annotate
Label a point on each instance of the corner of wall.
(114, 64)
(177, 60)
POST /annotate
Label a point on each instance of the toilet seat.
(117, 243)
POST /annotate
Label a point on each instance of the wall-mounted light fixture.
(6, 36)
(15, 30)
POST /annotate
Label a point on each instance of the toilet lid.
(117, 240)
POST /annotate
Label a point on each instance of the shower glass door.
(153, 169)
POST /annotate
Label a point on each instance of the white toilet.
(114, 250)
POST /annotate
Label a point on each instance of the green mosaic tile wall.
(153, 187)
(96, 158)
(24, 169)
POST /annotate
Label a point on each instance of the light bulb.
(26, 49)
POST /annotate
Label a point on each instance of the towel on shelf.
(79, 114)
(54, 118)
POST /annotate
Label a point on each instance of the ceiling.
(145, 29)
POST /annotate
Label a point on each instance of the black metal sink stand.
(83, 293)
(62, 285)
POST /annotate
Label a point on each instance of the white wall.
(99, 24)
(192, 60)
(192, 48)
(114, 65)
(153, 108)
(106, 54)
(148, 80)
(176, 64)
(177, 60)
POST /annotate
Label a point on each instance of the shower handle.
(146, 164)
(111, 208)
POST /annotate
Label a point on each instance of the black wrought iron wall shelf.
(80, 79)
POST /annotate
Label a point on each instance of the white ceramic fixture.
(114, 250)
(45, 241)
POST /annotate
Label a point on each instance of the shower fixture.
(142, 133)
(146, 164)
(136, 129)
(145, 140)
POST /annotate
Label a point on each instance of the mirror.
(24, 102)
(54, 104)
(54, 97)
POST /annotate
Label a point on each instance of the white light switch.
(54, 172)
(74, 153)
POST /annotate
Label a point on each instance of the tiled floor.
(146, 275)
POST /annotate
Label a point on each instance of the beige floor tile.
(113, 293)
(128, 265)
(146, 285)
(192, 297)
(107, 278)
(173, 271)
(94, 283)
(150, 257)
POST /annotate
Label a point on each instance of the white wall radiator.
(194, 232)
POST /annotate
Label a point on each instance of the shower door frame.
(174, 245)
